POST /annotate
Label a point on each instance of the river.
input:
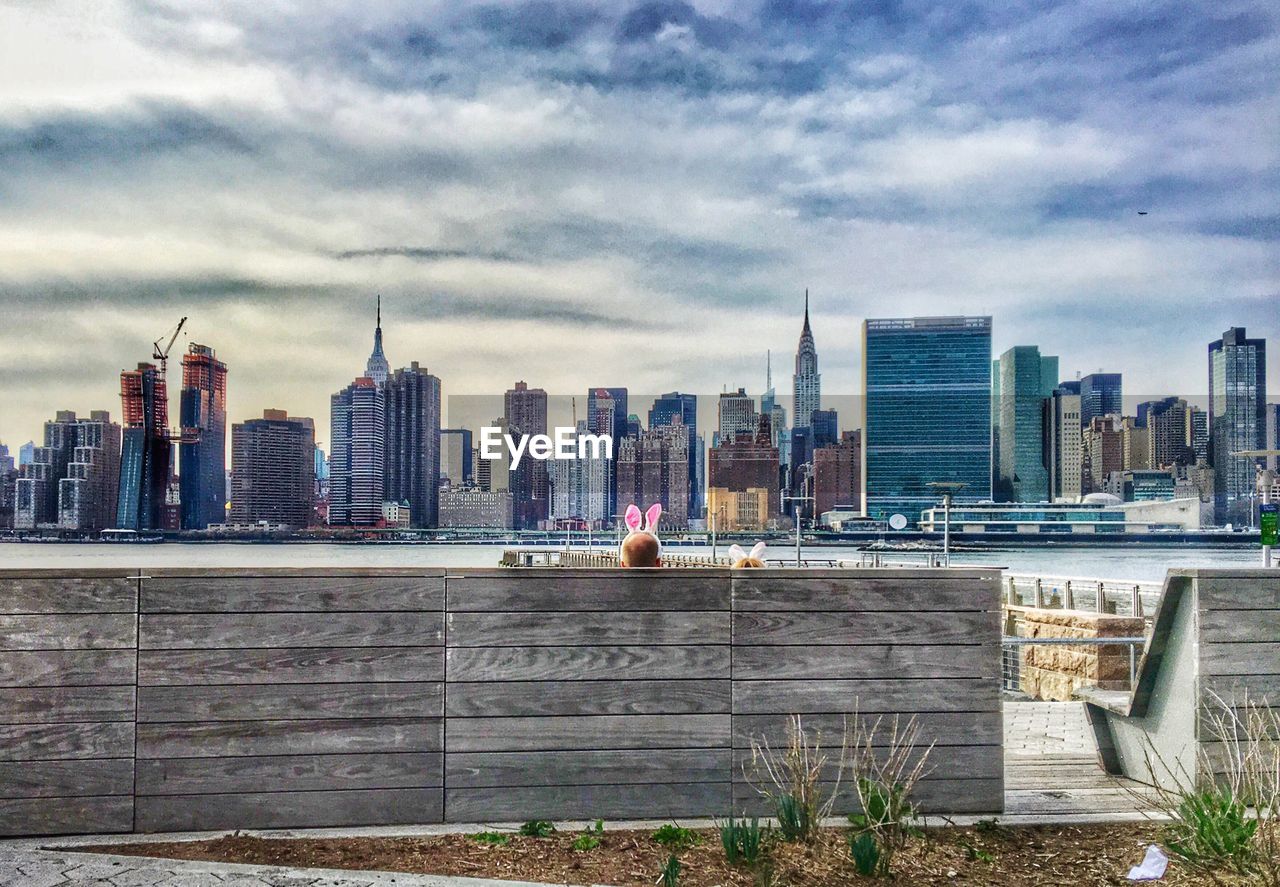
(1129, 562)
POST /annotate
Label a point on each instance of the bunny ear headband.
(736, 552)
(632, 520)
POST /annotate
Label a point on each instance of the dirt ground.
(1015, 855)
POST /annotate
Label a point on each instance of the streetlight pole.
(947, 488)
(1266, 479)
(807, 473)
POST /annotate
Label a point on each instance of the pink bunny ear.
(651, 517)
(632, 518)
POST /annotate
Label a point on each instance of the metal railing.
(1120, 597)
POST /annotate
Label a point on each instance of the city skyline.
(654, 182)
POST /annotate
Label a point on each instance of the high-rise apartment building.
(607, 414)
(37, 486)
(1103, 451)
(1100, 395)
(736, 413)
(146, 453)
(457, 468)
(357, 460)
(1064, 455)
(1026, 378)
(1198, 435)
(87, 493)
(1237, 420)
(273, 470)
(412, 439)
(837, 474)
(472, 508)
(1135, 443)
(525, 412)
(664, 412)
(927, 396)
(580, 487)
(203, 450)
(495, 474)
(806, 382)
(1166, 424)
(654, 467)
(749, 461)
(826, 428)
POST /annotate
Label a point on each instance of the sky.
(633, 194)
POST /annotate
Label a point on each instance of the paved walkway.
(1051, 774)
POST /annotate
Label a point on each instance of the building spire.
(378, 369)
(768, 370)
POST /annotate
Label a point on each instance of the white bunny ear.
(757, 550)
(736, 552)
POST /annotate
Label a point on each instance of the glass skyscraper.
(927, 395)
(1100, 395)
(664, 410)
(1025, 379)
(1237, 420)
(203, 451)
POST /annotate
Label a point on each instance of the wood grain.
(653, 801)
(290, 665)
(295, 594)
(50, 705)
(67, 668)
(289, 809)
(65, 779)
(251, 702)
(278, 773)
(1241, 659)
(594, 732)
(854, 627)
(586, 629)
(834, 663)
(1239, 626)
(613, 767)
(541, 698)
(69, 816)
(76, 631)
(805, 697)
(940, 728)
(60, 594)
(586, 663)
(1253, 592)
(248, 738)
(198, 631)
(571, 591)
(53, 742)
(931, 590)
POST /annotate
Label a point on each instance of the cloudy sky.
(624, 194)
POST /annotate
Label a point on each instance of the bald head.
(641, 550)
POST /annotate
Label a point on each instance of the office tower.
(1237, 420)
(1064, 454)
(146, 454)
(7, 463)
(26, 453)
(525, 411)
(1198, 435)
(1100, 395)
(456, 452)
(748, 461)
(1166, 424)
(1273, 435)
(826, 428)
(736, 413)
(87, 493)
(806, 383)
(1026, 378)
(203, 449)
(412, 463)
(664, 411)
(36, 490)
(273, 470)
(8, 492)
(927, 395)
(474, 508)
(654, 467)
(1135, 444)
(1103, 451)
(357, 460)
(837, 475)
(607, 414)
(580, 487)
(377, 368)
(495, 474)
(798, 469)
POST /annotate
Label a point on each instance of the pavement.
(1032, 730)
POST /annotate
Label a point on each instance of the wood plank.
(947, 762)
(1065, 802)
(70, 816)
(943, 796)
(653, 801)
(1260, 689)
(314, 737)
(290, 665)
(265, 702)
(577, 590)
(920, 695)
(67, 668)
(52, 705)
(294, 594)
(66, 779)
(931, 590)
(279, 773)
(1250, 592)
(55, 742)
(540, 698)
(1227, 626)
(850, 627)
(57, 593)
(586, 663)
(593, 732)
(1241, 659)
(564, 768)
(95, 631)
(898, 661)
(200, 631)
(940, 728)
(586, 629)
(289, 809)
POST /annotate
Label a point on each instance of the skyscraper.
(1100, 395)
(1166, 424)
(1103, 445)
(1026, 378)
(607, 414)
(525, 412)
(87, 493)
(203, 450)
(357, 461)
(377, 368)
(412, 438)
(806, 383)
(837, 474)
(1063, 442)
(1237, 420)
(654, 467)
(146, 454)
(579, 488)
(736, 412)
(1273, 435)
(456, 451)
(37, 485)
(664, 412)
(273, 469)
(927, 395)
(748, 461)
(826, 428)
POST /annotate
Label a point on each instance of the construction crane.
(162, 355)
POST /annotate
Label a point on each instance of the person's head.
(641, 547)
(742, 559)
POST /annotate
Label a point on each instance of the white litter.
(1152, 867)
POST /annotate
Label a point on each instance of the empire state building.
(807, 382)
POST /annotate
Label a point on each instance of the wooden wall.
(279, 698)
